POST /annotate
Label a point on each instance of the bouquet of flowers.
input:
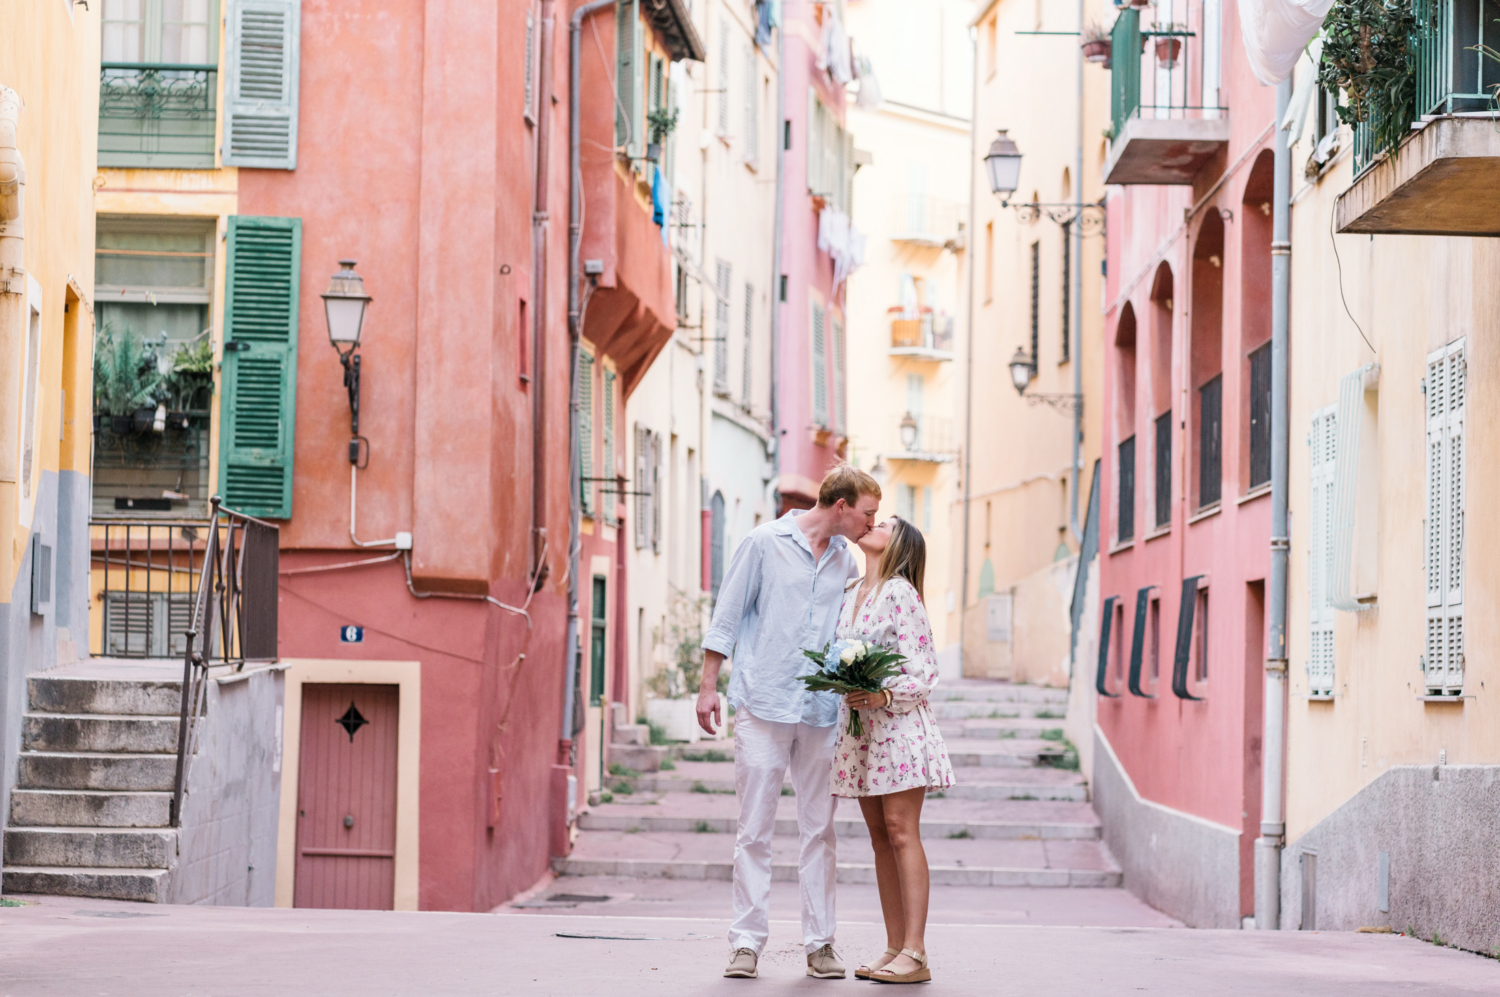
(852, 666)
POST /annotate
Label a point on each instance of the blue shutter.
(260, 83)
(257, 416)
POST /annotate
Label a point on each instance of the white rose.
(849, 655)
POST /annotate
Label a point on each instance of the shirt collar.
(786, 528)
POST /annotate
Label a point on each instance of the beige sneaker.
(742, 965)
(824, 964)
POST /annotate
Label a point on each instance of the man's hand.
(708, 693)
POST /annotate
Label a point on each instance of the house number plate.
(352, 635)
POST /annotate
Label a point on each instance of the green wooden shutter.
(260, 83)
(610, 496)
(626, 71)
(257, 415)
(820, 367)
(586, 431)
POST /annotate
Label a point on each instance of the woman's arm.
(914, 639)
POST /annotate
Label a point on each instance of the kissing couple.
(793, 585)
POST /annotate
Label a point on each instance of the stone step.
(147, 885)
(787, 826)
(97, 770)
(979, 690)
(137, 734)
(70, 846)
(961, 709)
(786, 872)
(87, 808)
(1075, 792)
(69, 694)
(639, 757)
(1011, 753)
(1002, 729)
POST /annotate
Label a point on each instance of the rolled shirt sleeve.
(737, 591)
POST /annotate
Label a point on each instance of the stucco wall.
(1436, 824)
(1176, 862)
(226, 846)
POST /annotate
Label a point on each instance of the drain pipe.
(777, 301)
(575, 335)
(1272, 818)
(12, 305)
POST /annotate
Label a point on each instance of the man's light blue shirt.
(776, 599)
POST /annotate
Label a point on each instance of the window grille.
(1164, 469)
(747, 372)
(586, 432)
(1126, 527)
(1067, 293)
(1260, 416)
(1036, 300)
(1211, 435)
(820, 368)
(722, 274)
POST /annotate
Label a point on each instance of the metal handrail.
(234, 620)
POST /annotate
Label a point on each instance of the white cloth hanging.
(1276, 32)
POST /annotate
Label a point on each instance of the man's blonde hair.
(846, 482)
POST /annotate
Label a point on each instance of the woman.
(900, 755)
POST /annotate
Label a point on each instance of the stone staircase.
(1017, 816)
(89, 815)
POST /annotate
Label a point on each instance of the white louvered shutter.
(260, 84)
(752, 109)
(722, 277)
(820, 367)
(747, 369)
(656, 502)
(638, 449)
(1443, 531)
(723, 123)
(1323, 444)
(586, 432)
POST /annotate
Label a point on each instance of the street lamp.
(1022, 370)
(1003, 164)
(908, 431)
(344, 305)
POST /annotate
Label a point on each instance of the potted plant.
(1369, 53)
(675, 687)
(1096, 43)
(126, 380)
(1168, 49)
(662, 122)
(190, 383)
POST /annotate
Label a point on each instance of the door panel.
(346, 797)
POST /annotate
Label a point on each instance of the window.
(1036, 301)
(32, 372)
(1065, 342)
(1153, 635)
(906, 503)
(1210, 436)
(1163, 480)
(722, 272)
(916, 391)
(260, 83)
(1260, 416)
(640, 476)
(723, 122)
(752, 105)
(747, 362)
(611, 487)
(149, 116)
(716, 544)
(529, 107)
(598, 639)
(628, 58)
(1443, 660)
(586, 432)
(1200, 642)
(153, 283)
(1323, 446)
(830, 155)
(1126, 519)
(840, 394)
(820, 368)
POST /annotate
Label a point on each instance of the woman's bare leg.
(887, 879)
(903, 829)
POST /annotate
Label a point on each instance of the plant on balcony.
(190, 383)
(662, 122)
(126, 378)
(1095, 43)
(1370, 53)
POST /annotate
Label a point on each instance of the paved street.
(65, 946)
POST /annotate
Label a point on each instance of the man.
(783, 593)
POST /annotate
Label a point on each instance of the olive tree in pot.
(126, 381)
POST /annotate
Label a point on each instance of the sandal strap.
(888, 951)
(919, 957)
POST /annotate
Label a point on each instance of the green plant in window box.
(1370, 53)
(126, 380)
(662, 122)
(190, 383)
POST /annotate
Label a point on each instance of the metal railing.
(933, 439)
(233, 619)
(1161, 70)
(925, 331)
(1453, 74)
(157, 113)
(933, 221)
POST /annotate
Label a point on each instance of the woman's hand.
(868, 700)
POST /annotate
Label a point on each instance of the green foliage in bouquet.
(868, 671)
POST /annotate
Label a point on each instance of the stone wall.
(1437, 827)
(227, 843)
(1180, 864)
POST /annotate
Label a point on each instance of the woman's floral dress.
(900, 748)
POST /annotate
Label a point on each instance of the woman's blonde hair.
(905, 555)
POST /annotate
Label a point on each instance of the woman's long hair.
(905, 555)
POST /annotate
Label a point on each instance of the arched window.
(1206, 366)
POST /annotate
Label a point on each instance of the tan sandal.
(919, 975)
(863, 972)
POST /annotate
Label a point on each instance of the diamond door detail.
(346, 797)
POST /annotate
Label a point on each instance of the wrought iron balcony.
(921, 336)
(935, 222)
(1445, 178)
(157, 114)
(931, 443)
(1167, 122)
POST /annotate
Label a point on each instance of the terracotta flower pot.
(1167, 51)
(1096, 50)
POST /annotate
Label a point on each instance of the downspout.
(1272, 819)
(539, 303)
(575, 334)
(12, 306)
(1077, 329)
(968, 458)
(777, 303)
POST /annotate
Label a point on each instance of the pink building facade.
(1185, 510)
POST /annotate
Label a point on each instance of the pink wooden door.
(346, 797)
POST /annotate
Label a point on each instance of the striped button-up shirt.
(776, 599)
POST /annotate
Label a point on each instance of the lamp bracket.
(1067, 404)
(1090, 217)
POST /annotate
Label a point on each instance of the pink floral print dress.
(901, 747)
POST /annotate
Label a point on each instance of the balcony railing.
(927, 221)
(1164, 95)
(932, 442)
(1453, 75)
(926, 335)
(158, 114)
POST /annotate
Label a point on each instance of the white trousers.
(764, 752)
